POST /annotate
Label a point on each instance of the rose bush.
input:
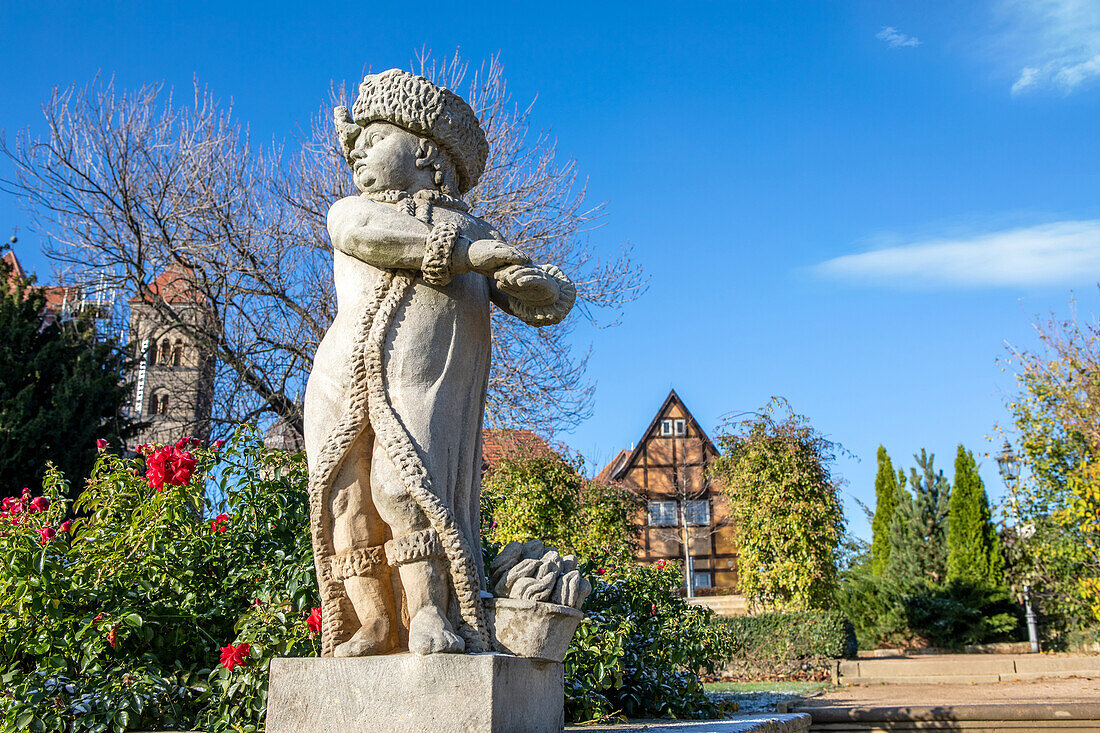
(120, 618)
(188, 567)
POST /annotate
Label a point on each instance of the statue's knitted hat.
(421, 107)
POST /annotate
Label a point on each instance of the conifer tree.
(973, 550)
(918, 531)
(61, 389)
(886, 502)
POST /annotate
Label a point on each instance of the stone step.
(959, 668)
(972, 718)
(925, 679)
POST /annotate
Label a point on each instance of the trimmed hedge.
(795, 644)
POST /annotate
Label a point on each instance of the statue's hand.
(527, 283)
(489, 255)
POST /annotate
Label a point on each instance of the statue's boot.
(366, 579)
(418, 557)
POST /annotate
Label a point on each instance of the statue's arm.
(363, 230)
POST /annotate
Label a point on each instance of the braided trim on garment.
(414, 546)
(437, 254)
(360, 561)
(322, 474)
(391, 434)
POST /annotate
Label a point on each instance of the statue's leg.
(358, 536)
(419, 558)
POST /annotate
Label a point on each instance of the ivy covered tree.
(887, 487)
(61, 388)
(785, 505)
(918, 531)
(973, 550)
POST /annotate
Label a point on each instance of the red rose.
(65, 526)
(112, 637)
(218, 444)
(100, 443)
(599, 571)
(26, 493)
(233, 656)
(40, 504)
(169, 465)
(218, 523)
(47, 534)
(661, 564)
(314, 620)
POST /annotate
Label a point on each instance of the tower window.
(165, 352)
(177, 353)
(158, 403)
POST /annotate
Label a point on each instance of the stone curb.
(779, 723)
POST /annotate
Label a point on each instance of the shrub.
(916, 615)
(789, 644)
(543, 496)
(157, 609)
(119, 622)
(640, 648)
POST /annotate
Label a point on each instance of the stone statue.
(394, 405)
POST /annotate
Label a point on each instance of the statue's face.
(384, 158)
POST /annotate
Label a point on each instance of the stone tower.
(173, 375)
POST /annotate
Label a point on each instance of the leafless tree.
(128, 184)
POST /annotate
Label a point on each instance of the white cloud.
(1062, 253)
(895, 38)
(1053, 43)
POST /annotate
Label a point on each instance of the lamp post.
(1008, 463)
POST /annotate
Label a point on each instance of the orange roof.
(57, 296)
(174, 285)
(606, 475)
(500, 443)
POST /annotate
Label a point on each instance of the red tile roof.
(501, 443)
(57, 296)
(174, 285)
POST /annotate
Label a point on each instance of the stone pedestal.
(409, 693)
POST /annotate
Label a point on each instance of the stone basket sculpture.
(539, 595)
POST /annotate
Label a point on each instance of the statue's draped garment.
(432, 354)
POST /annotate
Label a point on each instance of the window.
(666, 427)
(165, 356)
(662, 514)
(158, 403)
(177, 353)
(701, 579)
(679, 427)
(697, 513)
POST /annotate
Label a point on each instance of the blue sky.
(854, 205)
